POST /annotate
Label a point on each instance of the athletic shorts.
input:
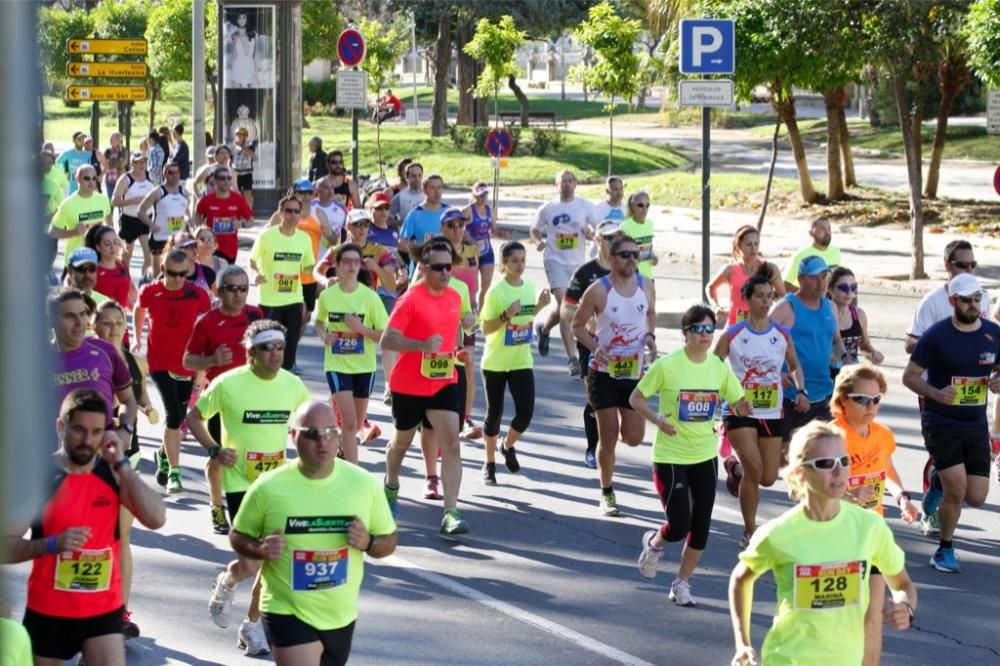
(486, 257)
(794, 420)
(156, 246)
(244, 182)
(233, 503)
(63, 637)
(229, 260)
(955, 445)
(558, 274)
(764, 427)
(309, 292)
(584, 354)
(409, 411)
(604, 392)
(284, 631)
(359, 384)
(175, 393)
(130, 228)
(469, 340)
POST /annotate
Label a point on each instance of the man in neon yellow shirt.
(255, 403)
(81, 210)
(312, 522)
(822, 234)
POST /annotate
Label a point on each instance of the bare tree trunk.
(154, 93)
(611, 135)
(465, 76)
(786, 111)
(522, 99)
(834, 179)
(953, 77)
(913, 173)
(845, 150)
(442, 65)
(770, 174)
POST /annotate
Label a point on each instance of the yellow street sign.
(107, 46)
(127, 70)
(106, 93)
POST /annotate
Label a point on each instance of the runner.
(279, 257)
(566, 223)
(611, 208)
(507, 317)
(852, 321)
(350, 321)
(70, 161)
(330, 214)
(216, 156)
(406, 200)
(130, 191)
(172, 304)
(199, 274)
(424, 329)
(345, 190)
(75, 601)
(479, 215)
(225, 212)
(756, 349)
(113, 277)
(746, 262)
(313, 564)
(624, 307)
(255, 403)
(80, 210)
(205, 252)
(216, 346)
(584, 276)
(244, 153)
(822, 235)
(959, 355)
(690, 383)
(423, 222)
(388, 237)
(641, 228)
(81, 267)
(822, 553)
(170, 205)
(858, 391)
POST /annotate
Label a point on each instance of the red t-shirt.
(394, 102)
(214, 329)
(87, 583)
(114, 283)
(224, 216)
(172, 315)
(419, 315)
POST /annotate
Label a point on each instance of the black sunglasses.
(293, 211)
(627, 254)
(440, 268)
(641, 205)
(89, 268)
(271, 346)
(700, 328)
(965, 265)
(976, 298)
(175, 274)
(233, 288)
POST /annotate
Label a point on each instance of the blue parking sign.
(708, 46)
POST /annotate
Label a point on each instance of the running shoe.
(220, 604)
(162, 467)
(509, 458)
(252, 639)
(929, 525)
(649, 558)
(174, 485)
(392, 496)
(295, 371)
(745, 540)
(590, 459)
(432, 488)
(490, 474)
(933, 494)
(387, 397)
(945, 559)
(680, 593)
(129, 628)
(732, 480)
(608, 505)
(369, 432)
(573, 366)
(219, 523)
(452, 522)
(543, 340)
(472, 431)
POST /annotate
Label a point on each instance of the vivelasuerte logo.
(317, 524)
(266, 416)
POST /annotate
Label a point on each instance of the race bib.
(696, 406)
(285, 284)
(517, 334)
(645, 248)
(762, 395)
(969, 391)
(175, 224)
(223, 225)
(483, 245)
(627, 366)
(315, 570)
(258, 462)
(825, 586)
(348, 343)
(875, 481)
(567, 241)
(85, 571)
(741, 314)
(437, 365)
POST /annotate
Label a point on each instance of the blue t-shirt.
(69, 161)
(960, 359)
(812, 335)
(422, 224)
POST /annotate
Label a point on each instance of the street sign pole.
(354, 144)
(706, 195)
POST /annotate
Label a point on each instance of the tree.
(121, 19)
(615, 70)
(495, 45)
(442, 65)
(55, 26)
(384, 46)
(321, 26)
(982, 34)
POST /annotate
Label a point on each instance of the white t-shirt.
(606, 211)
(935, 306)
(565, 226)
(404, 202)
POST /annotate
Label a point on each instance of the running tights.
(291, 317)
(522, 389)
(687, 493)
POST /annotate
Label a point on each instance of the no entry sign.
(499, 143)
(351, 47)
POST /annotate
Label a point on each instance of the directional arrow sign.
(107, 46)
(122, 70)
(106, 93)
(708, 46)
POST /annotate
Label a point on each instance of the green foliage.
(494, 45)
(982, 34)
(473, 139)
(168, 31)
(546, 141)
(321, 26)
(615, 70)
(54, 28)
(384, 46)
(320, 92)
(121, 19)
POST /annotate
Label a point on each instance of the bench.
(535, 118)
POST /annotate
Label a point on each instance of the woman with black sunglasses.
(822, 553)
(842, 290)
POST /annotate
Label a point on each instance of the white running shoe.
(220, 605)
(649, 559)
(252, 639)
(680, 593)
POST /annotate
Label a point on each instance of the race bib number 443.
(826, 586)
(315, 570)
(696, 406)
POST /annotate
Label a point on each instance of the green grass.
(731, 191)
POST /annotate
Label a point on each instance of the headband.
(269, 335)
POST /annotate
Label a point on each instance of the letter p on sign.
(708, 46)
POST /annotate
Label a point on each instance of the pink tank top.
(738, 309)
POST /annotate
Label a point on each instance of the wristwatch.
(213, 452)
(118, 465)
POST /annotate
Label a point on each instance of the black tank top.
(138, 390)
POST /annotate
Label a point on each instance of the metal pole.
(198, 84)
(413, 64)
(706, 195)
(354, 144)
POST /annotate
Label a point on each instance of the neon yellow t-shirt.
(830, 255)
(692, 394)
(255, 418)
(52, 191)
(821, 570)
(351, 353)
(509, 347)
(318, 577)
(463, 291)
(15, 644)
(75, 209)
(643, 235)
(281, 259)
